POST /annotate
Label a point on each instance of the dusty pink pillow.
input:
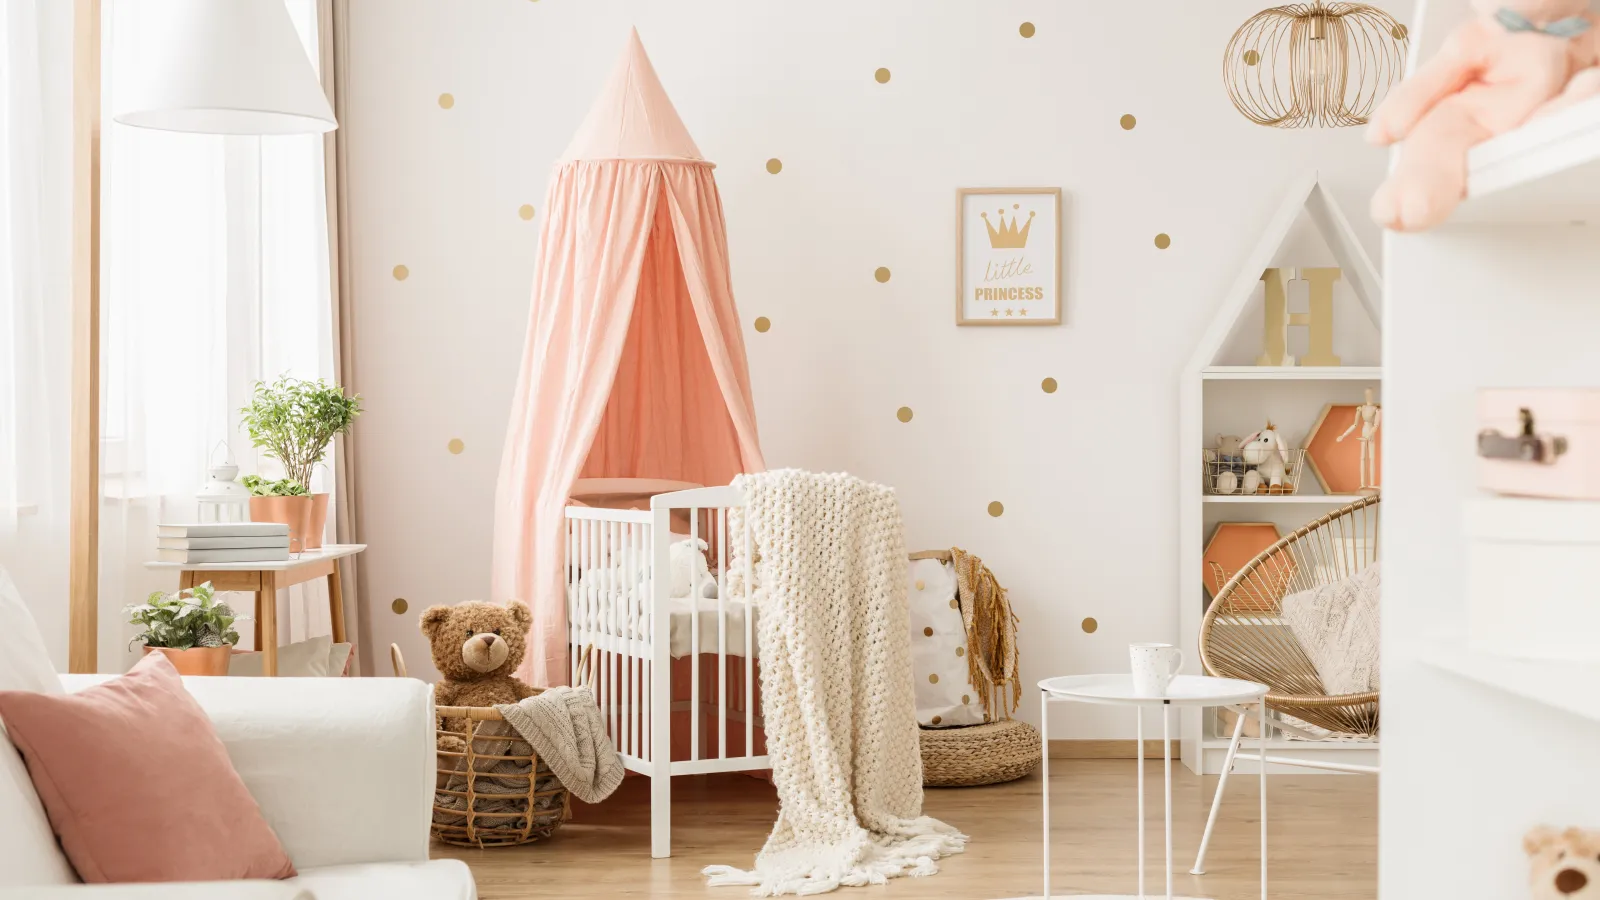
(137, 784)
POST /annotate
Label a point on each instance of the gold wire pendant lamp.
(1314, 64)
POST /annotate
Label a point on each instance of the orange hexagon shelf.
(1232, 545)
(1337, 464)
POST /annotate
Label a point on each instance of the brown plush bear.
(476, 646)
(1563, 865)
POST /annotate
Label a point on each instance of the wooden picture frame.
(1002, 277)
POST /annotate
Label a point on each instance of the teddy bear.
(476, 646)
(1563, 865)
(1513, 60)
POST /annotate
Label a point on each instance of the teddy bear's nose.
(1570, 881)
(488, 639)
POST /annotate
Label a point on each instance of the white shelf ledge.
(1567, 686)
(1249, 745)
(1292, 373)
(1286, 499)
(1546, 171)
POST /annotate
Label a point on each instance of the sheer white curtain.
(35, 305)
(215, 274)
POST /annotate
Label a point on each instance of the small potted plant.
(293, 421)
(191, 627)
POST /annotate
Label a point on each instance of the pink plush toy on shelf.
(1516, 59)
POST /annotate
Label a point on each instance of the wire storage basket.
(1226, 474)
(491, 788)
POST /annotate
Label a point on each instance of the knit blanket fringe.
(838, 698)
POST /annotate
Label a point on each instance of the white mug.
(1153, 667)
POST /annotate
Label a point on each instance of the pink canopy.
(634, 365)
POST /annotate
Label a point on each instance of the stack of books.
(222, 542)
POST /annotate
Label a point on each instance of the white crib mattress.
(601, 616)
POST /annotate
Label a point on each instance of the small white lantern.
(223, 499)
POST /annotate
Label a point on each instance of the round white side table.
(1117, 690)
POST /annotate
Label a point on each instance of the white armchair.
(343, 771)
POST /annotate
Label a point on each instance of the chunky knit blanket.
(836, 687)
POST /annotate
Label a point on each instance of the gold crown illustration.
(1008, 237)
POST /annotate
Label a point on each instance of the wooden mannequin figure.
(1369, 416)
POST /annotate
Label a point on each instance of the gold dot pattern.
(1128, 122)
(961, 651)
(921, 585)
(774, 165)
(882, 274)
(997, 509)
(1048, 385)
(446, 101)
(934, 678)
(882, 75)
(762, 324)
(903, 414)
(401, 273)
(456, 446)
(937, 719)
(1027, 30)
(399, 606)
(954, 604)
(1163, 241)
(1399, 32)
(1252, 57)
(1090, 626)
(526, 211)
(927, 631)
(965, 699)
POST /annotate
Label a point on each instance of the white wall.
(869, 179)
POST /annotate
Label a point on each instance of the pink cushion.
(137, 784)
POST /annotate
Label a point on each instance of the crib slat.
(694, 641)
(572, 607)
(631, 695)
(749, 688)
(722, 634)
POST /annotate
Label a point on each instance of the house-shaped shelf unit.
(1223, 391)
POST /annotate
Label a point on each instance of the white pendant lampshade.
(218, 67)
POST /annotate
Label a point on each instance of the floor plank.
(1323, 839)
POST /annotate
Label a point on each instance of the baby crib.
(627, 621)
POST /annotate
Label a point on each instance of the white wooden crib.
(625, 624)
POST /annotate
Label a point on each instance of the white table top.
(326, 553)
(1185, 690)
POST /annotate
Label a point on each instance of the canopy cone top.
(633, 118)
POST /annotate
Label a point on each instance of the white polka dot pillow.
(939, 648)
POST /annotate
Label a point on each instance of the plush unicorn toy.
(1265, 451)
(1514, 60)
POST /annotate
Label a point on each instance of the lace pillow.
(1337, 627)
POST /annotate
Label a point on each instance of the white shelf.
(1249, 745)
(1286, 499)
(1567, 686)
(1546, 171)
(1292, 373)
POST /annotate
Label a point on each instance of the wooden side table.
(265, 579)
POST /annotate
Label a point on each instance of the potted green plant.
(191, 627)
(293, 421)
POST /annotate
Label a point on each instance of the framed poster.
(1008, 262)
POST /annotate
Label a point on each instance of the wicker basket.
(979, 754)
(471, 804)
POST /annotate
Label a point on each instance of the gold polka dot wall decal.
(903, 414)
(881, 273)
(921, 586)
(1026, 30)
(927, 631)
(997, 509)
(774, 165)
(965, 699)
(954, 605)
(961, 651)
(1163, 241)
(882, 75)
(525, 211)
(1252, 57)
(936, 719)
(446, 101)
(401, 273)
(762, 324)
(399, 606)
(1399, 32)
(1090, 626)
(1128, 121)
(1048, 385)
(456, 446)
(934, 678)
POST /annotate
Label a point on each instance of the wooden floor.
(1323, 834)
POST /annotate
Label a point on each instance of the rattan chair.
(1243, 636)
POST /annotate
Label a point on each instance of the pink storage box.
(1540, 442)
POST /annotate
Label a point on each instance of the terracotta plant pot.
(319, 521)
(198, 661)
(294, 512)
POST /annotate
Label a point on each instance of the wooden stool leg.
(267, 623)
(336, 604)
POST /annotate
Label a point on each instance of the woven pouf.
(978, 754)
